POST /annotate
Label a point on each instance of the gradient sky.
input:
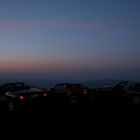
(70, 39)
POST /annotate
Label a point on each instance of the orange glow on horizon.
(54, 66)
(13, 66)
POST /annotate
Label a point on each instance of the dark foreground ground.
(90, 121)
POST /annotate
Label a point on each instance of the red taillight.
(45, 94)
(85, 93)
(21, 97)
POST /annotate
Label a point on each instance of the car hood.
(26, 91)
(104, 88)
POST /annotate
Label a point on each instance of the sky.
(70, 39)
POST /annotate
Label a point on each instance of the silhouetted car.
(71, 93)
(17, 95)
(122, 92)
(132, 91)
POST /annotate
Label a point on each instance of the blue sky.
(70, 39)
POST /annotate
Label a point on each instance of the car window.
(76, 86)
(60, 87)
(7, 88)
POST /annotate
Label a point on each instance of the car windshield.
(76, 86)
(18, 86)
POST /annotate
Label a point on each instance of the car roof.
(11, 83)
(68, 84)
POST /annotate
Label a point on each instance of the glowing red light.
(45, 94)
(85, 93)
(21, 97)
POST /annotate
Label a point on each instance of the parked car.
(133, 92)
(18, 95)
(122, 92)
(69, 92)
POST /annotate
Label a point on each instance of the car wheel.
(136, 100)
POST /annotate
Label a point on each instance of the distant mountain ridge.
(101, 82)
(47, 83)
(44, 83)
